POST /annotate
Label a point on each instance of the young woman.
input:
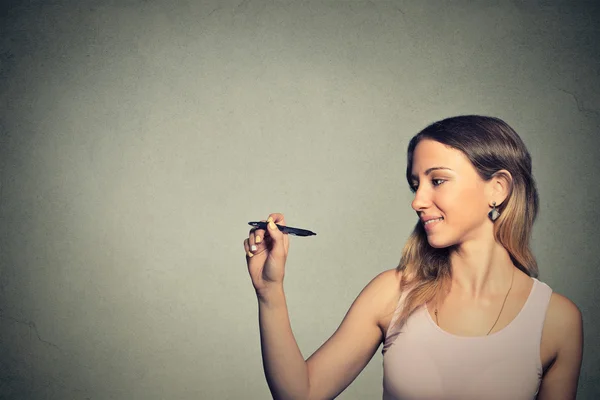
(463, 316)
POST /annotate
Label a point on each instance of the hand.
(266, 263)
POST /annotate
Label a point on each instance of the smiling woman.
(463, 315)
(468, 266)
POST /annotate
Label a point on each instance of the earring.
(494, 214)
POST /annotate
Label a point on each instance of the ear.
(500, 187)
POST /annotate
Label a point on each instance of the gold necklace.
(503, 303)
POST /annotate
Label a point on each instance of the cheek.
(463, 207)
(452, 201)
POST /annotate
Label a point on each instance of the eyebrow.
(429, 170)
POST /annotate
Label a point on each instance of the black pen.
(284, 229)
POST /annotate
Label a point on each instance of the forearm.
(284, 365)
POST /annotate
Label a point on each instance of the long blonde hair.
(490, 145)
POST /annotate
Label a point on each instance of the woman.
(463, 316)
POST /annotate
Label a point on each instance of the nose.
(422, 199)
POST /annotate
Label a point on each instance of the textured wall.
(139, 137)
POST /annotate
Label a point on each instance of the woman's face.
(448, 187)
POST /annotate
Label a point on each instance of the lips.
(429, 223)
(429, 218)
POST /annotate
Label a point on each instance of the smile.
(431, 221)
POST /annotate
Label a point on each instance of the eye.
(436, 182)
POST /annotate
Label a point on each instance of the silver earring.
(494, 214)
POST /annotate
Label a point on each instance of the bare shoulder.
(564, 328)
(563, 324)
(563, 315)
(387, 286)
(388, 278)
(562, 307)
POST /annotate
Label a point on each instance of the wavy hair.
(491, 145)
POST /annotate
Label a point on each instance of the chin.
(438, 244)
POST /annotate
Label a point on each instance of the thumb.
(277, 236)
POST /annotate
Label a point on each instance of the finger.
(278, 218)
(272, 229)
(275, 218)
(251, 243)
(258, 234)
(253, 249)
(247, 248)
(280, 249)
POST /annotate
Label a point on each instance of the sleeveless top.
(422, 361)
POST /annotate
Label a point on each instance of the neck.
(480, 270)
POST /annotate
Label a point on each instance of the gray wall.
(139, 137)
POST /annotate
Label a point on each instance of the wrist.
(271, 295)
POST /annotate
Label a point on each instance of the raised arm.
(345, 354)
(342, 357)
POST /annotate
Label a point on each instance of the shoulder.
(563, 322)
(564, 327)
(562, 312)
(387, 285)
(381, 290)
(384, 291)
(390, 277)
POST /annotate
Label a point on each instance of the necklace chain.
(503, 303)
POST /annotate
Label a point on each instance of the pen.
(284, 229)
